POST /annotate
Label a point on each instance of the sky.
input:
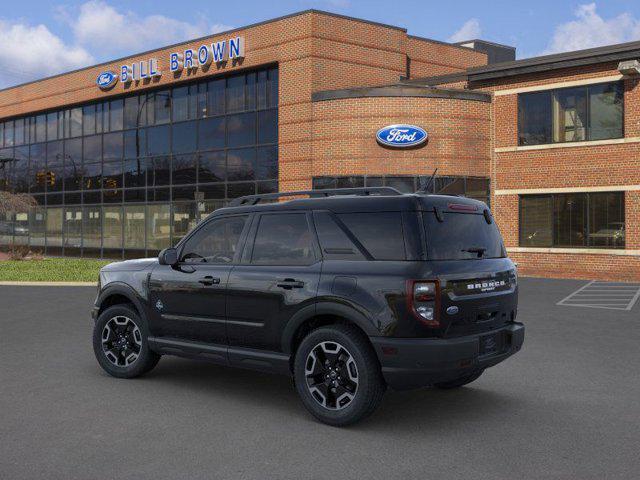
(39, 38)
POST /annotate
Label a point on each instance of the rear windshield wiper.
(479, 250)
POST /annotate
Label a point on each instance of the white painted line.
(612, 296)
(634, 300)
(579, 290)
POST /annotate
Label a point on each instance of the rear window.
(462, 236)
(380, 233)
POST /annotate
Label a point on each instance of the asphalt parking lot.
(566, 407)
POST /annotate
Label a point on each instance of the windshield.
(462, 236)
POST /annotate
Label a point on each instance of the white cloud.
(591, 30)
(29, 52)
(107, 31)
(469, 31)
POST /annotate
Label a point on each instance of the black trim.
(400, 90)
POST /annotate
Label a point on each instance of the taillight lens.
(424, 301)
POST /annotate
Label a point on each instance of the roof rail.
(330, 192)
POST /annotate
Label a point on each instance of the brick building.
(125, 157)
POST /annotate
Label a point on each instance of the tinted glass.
(268, 126)
(116, 115)
(379, 233)
(570, 220)
(606, 220)
(215, 242)
(158, 140)
(334, 242)
(241, 129)
(212, 167)
(462, 236)
(536, 221)
(184, 169)
(184, 137)
(211, 133)
(241, 164)
(283, 240)
(534, 118)
(215, 97)
(606, 111)
(570, 115)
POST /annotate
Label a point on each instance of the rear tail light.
(424, 301)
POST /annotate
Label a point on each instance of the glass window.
(158, 171)
(116, 115)
(41, 128)
(21, 169)
(180, 104)
(134, 173)
(162, 106)
(184, 137)
(261, 89)
(8, 134)
(130, 115)
(55, 167)
(334, 242)
(241, 164)
(201, 100)
(158, 140)
(379, 233)
(89, 124)
(211, 134)
(267, 163)
(606, 111)
(215, 97)
(91, 228)
(534, 118)
(72, 229)
(158, 226)
(92, 148)
(272, 89)
(250, 91)
(75, 122)
(37, 168)
(112, 228)
(134, 227)
(235, 93)
(241, 129)
(402, 184)
(54, 227)
(112, 175)
(92, 173)
(73, 164)
(216, 191)
(112, 146)
(268, 126)
(215, 242)
(579, 220)
(135, 143)
(184, 219)
(184, 169)
(570, 115)
(283, 239)
(37, 226)
(19, 132)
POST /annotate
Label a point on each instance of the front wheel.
(337, 375)
(120, 343)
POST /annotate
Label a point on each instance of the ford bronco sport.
(348, 291)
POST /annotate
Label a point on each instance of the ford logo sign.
(401, 136)
(106, 80)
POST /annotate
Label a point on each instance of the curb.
(49, 284)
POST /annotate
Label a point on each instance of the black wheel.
(120, 343)
(337, 375)
(459, 382)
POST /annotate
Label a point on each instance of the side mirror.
(168, 256)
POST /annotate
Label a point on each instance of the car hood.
(130, 265)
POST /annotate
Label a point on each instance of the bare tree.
(16, 202)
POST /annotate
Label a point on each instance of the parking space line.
(597, 294)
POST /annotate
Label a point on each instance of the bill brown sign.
(189, 59)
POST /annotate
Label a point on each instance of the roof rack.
(330, 192)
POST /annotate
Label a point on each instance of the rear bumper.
(418, 362)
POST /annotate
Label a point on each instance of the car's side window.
(215, 242)
(283, 239)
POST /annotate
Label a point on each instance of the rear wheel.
(120, 343)
(337, 375)
(459, 382)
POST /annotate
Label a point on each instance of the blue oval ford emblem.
(401, 136)
(106, 80)
(452, 310)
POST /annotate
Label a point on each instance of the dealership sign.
(401, 136)
(189, 59)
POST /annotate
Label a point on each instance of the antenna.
(425, 188)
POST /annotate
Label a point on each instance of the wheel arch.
(119, 294)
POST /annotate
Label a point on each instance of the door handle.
(289, 283)
(209, 280)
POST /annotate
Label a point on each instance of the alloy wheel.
(331, 375)
(121, 341)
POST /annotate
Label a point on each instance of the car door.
(278, 275)
(188, 299)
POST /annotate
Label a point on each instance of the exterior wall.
(429, 58)
(611, 163)
(344, 136)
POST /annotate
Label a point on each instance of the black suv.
(347, 291)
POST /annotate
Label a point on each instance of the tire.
(127, 334)
(352, 363)
(459, 382)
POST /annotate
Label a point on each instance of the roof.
(590, 56)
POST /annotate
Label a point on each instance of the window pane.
(184, 137)
(158, 140)
(112, 227)
(241, 129)
(75, 122)
(37, 168)
(402, 184)
(72, 229)
(112, 175)
(216, 242)
(235, 93)
(130, 112)
(380, 233)
(570, 115)
(112, 146)
(268, 126)
(273, 88)
(116, 115)
(334, 242)
(350, 182)
(606, 111)
(92, 148)
(536, 221)
(37, 226)
(606, 220)
(158, 171)
(267, 163)
(73, 164)
(211, 133)
(180, 104)
(570, 220)
(101, 110)
(283, 240)
(261, 89)
(184, 219)
(241, 164)
(52, 126)
(21, 169)
(158, 226)
(250, 92)
(449, 185)
(240, 189)
(162, 110)
(184, 169)
(215, 97)
(89, 115)
(135, 143)
(92, 176)
(19, 131)
(54, 227)
(41, 128)
(91, 228)
(534, 118)
(134, 173)
(134, 227)
(55, 167)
